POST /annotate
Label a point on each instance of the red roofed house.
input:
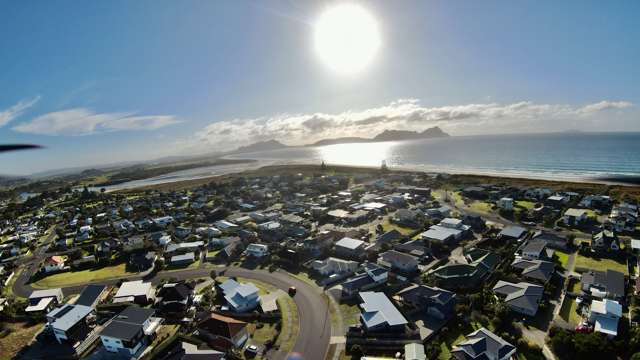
(224, 333)
(54, 263)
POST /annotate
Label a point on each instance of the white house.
(605, 315)
(257, 250)
(54, 263)
(127, 333)
(240, 297)
(574, 217)
(505, 203)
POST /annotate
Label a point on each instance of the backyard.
(568, 311)
(600, 264)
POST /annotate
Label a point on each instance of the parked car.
(584, 328)
(292, 290)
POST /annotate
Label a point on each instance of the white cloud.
(16, 110)
(80, 121)
(407, 114)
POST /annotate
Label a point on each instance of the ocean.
(561, 156)
(610, 158)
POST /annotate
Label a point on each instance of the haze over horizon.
(100, 83)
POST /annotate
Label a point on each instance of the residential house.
(605, 240)
(379, 313)
(183, 248)
(240, 297)
(44, 300)
(512, 233)
(183, 259)
(174, 298)
(334, 269)
(557, 201)
(137, 291)
(522, 297)
(535, 249)
(188, 351)
(223, 333)
(605, 315)
(54, 263)
(408, 218)
(128, 333)
(163, 221)
(257, 250)
(350, 248)
(91, 295)
(414, 351)
(505, 203)
(371, 276)
(448, 230)
(438, 303)
(70, 323)
(480, 264)
(482, 344)
(552, 240)
(535, 270)
(396, 260)
(575, 217)
(624, 217)
(142, 261)
(609, 284)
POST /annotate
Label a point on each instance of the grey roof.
(90, 294)
(535, 246)
(482, 344)
(350, 243)
(612, 281)
(513, 231)
(37, 294)
(535, 269)
(422, 293)
(378, 310)
(133, 288)
(521, 295)
(184, 257)
(68, 315)
(128, 323)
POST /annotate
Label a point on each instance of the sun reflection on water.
(359, 154)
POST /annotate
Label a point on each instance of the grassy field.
(82, 276)
(568, 311)
(600, 264)
(575, 286)
(20, 336)
(288, 334)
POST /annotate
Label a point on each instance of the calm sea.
(549, 156)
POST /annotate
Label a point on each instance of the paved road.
(313, 309)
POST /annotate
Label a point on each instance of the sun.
(346, 38)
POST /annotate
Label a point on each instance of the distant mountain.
(395, 135)
(342, 140)
(260, 146)
(387, 135)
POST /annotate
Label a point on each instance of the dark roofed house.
(608, 284)
(521, 297)
(371, 276)
(535, 249)
(142, 261)
(437, 302)
(223, 333)
(396, 260)
(128, 332)
(482, 344)
(512, 232)
(480, 264)
(552, 240)
(91, 295)
(174, 298)
(538, 270)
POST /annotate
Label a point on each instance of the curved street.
(313, 309)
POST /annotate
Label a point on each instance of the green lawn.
(481, 206)
(568, 311)
(82, 276)
(288, 334)
(561, 258)
(600, 264)
(575, 286)
(529, 205)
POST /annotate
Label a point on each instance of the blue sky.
(101, 82)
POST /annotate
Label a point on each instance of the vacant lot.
(20, 336)
(600, 264)
(82, 276)
(568, 311)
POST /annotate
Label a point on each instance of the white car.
(252, 349)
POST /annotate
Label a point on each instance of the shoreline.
(615, 184)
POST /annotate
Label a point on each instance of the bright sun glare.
(346, 38)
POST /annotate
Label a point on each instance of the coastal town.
(320, 262)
